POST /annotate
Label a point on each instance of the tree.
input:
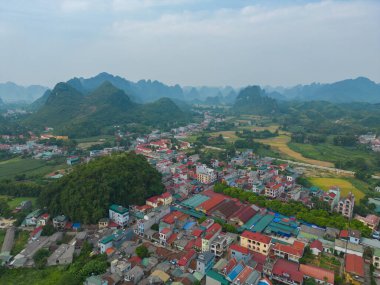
(142, 251)
(310, 281)
(40, 257)
(155, 227)
(48, 230)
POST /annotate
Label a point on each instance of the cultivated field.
(345, 186)
(281, 144)
(13, 202)
(230, 136)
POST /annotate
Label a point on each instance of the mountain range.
(254, 100)
(360, 89)
(77, 114)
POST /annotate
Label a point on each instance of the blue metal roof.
(235, 272)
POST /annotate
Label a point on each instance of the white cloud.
(70, 6)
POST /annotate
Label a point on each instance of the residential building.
(32, 218)
(134, 275)
(105, 243)
(205, 261)
(239, 253)
(274, 190)
(321, 275)
(354, 268)
(165, 233)
(210, 235)
(371, 221)
(119, 214)
(62, 255)
(346, 206)
(376, 258)
(219, 245)
(205, 174)
(316, 247)
(59, 222)
(352, 236)
(290, 252)
(287, 272)
(256, 242)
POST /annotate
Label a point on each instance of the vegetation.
(344, 185)
(319, 217)
(142, 251)
(86, 193)
(21, 240)
(253, 100)
(74, 274)
(40, 257)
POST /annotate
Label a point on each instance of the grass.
(31, 276)
(229, 136)
(345, 185)
(329, 152)
(13, 202)
(21, 240)
(101, 139)
(2, 236)
(16, 166)
(281, 144)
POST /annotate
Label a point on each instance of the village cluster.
(185, 234)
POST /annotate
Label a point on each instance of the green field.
(2, 236)
(21, 240)
(31, 276)
(345, 185)
(15, 166)
(328, 152)
(13, 202)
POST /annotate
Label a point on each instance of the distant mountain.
(360, 89)
(78, 115)
(37, 104)
(254, 100)
(12, 93)
(142, 91)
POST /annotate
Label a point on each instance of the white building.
(119, 215)
(205, 174)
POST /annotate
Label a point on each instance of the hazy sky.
(190, 42)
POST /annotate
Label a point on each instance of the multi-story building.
(205, 261)
(210, 235)
(273, 191)
(290, 252)
(346, 206)
(371, 221)
(205, 174)
(119, 215)
(376, 258)
(219, 245)
(256, 242)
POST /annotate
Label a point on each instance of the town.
(197, 232)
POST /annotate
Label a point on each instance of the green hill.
(77, 115)
(253, 100)
(85, 194)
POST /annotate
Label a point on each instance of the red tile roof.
(317, 244)
(283, 266)
(172, 238)
(230, 265)
(170, 218)
(295, 249)
(244, 214)
(165, 195)
(212, 231)
(165, 231)
(343, 234)
(317, 272)
(355, 264)
(256, 237)
(244, 274)
(187, 257)
(197, 232)
(211, 203)
(190, 244)
(36, 231)
(238, 248)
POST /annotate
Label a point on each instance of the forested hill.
(85, 194)
(76, 114)
(253, 100)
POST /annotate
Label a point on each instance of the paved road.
(8, 240)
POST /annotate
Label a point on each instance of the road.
(8, 240)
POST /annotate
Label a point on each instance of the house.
(290, 252)
(273, 190)
(321, 276)
(256, 242)
(72, 160)
(346, 206)
(103, 223)
(371, 221)
(24, 205)
(134, 275)
(165, 233)
(186, 258)
(205, 261)
(43, 219)
(105, 243)
(219, 245)
(354, 268)
(352, 236)
(32, 218)
(239, 253)
(316, 247)
(158, 277)
(59, 222)
(205, 175)
(210, 235)
(286, 272)
(376, 258)
(342, 246)
(119, 214)
(36, 233)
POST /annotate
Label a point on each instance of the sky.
(190, 42)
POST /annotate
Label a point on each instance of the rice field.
(280, 143)
(345, 186)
